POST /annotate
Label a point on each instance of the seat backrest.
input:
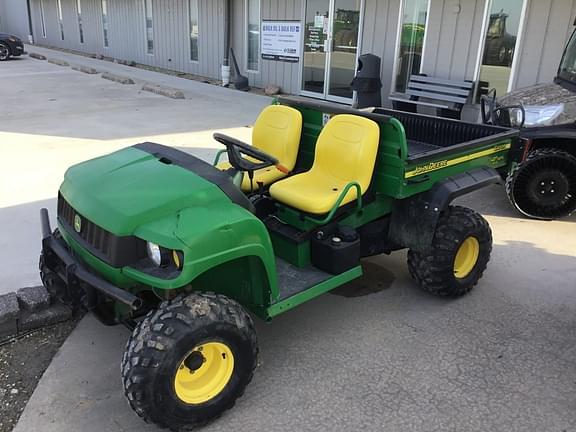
(346, 149)
(277, 132)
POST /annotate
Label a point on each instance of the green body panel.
(314, 292)
(130, 192)
(226, 248)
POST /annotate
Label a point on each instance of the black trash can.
(367, 83)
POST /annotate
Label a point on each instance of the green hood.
(134, 186)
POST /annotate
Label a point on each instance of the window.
(193, 6)
(60, 21)
(253, 34)
(149, 27)
(412, 31)
(500, 38)
(105, 22)
(42, 21)
(79, 12)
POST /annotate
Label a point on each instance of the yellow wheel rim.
(204, 373)
(466, 257)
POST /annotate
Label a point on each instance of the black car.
(10, 46)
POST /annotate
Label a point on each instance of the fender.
(413, 221)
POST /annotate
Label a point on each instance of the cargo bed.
(415, 150)
(430, 137)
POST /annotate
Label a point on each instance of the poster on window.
(281, 40)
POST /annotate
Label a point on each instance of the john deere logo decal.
(77, 223)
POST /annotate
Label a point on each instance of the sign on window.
(281, 40)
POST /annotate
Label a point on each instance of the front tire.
(544, 185)
(460, 253)
(5, 52)
(189, 360)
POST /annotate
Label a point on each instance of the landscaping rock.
(117, 78)
(272, 90)
(54, 314)
(163, 91)
(37, 56)
(58, 62)
(33, 299)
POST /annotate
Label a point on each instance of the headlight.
(541, 115)
(13, 39)
(162, 257)
(154, 253)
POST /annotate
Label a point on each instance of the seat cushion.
(266, 176)
(345, 153)
(311, 193)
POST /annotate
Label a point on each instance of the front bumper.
(71, 271)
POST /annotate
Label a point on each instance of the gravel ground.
(22, 363)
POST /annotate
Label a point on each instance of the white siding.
(14, 18)
(451, 50)
(126, 32)
(548, 28)
(453, 38)
(379, 38)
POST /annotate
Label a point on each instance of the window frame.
(247, 36)
(197, 8)
(80, 22)
(399, 42)
(149, 51)
(105, 23)
(517, 47)
(60, 18)
(43, 19)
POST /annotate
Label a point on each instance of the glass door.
(414, 15)
(315, 47)
(344, 48)
(331, 37)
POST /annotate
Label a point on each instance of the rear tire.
(460, 253)
(188, 361)
(5, 52)
(544, 185)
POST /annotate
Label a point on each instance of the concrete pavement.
(499, 359)
(53, 117)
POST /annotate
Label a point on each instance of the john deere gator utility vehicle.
(182, 251)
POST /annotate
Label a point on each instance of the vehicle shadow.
(402, 350)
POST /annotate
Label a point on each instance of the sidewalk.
(54, 117)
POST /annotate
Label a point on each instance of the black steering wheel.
(488, 106)
(495, 114)
(236, 148)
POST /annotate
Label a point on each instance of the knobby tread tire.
(434, 271)
(154, 346)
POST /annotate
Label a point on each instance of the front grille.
(91, 233)
(117, 251)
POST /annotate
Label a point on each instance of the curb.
(58, 62)
(163, 91)
(85, 69)
(27, 309)
(37, 56)
(117, 78)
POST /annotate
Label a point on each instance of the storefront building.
(310, 47)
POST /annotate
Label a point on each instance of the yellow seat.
(345, 152)
(277, 132)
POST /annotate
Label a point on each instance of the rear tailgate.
(440, 148)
